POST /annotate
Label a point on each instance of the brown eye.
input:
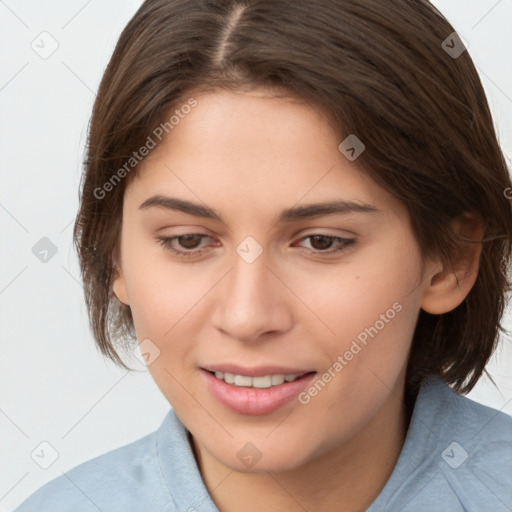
(187, 245)
(321, 244)
(189, 241)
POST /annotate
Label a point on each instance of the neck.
(347, 479)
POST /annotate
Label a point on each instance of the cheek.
(370, 306)
(161, 292)
(167, 303)
(162, 300)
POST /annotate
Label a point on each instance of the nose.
(252, 301)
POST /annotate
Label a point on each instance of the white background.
(55, 385)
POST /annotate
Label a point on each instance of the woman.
(299, 210)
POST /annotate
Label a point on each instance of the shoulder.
(466, 451)
(484, 431)
(457, 457)
(126, 478)
(476, 444)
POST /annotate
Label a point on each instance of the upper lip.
(255, 371)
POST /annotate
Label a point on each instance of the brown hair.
(378, 69)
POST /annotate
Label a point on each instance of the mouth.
(260, 382)
(260, 394)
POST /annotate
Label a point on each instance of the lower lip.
(255, 401)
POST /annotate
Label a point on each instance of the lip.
(255, 401)
(257, 371)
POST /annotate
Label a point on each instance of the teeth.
(229, 378)
(262, 382)
(277, 379)
(266, 381)
(241, 380)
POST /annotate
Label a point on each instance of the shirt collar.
(179, 467)
(421, 442)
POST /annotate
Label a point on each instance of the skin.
(248, 156)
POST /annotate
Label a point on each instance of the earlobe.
(119, 285)
(447, 287)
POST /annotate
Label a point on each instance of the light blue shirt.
(457, 457)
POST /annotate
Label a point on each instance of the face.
(226, 267)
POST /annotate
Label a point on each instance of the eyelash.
(167, 243)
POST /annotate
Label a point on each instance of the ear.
(447, 287)
(119, 285)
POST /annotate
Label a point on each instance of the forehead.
(248, 124)
(252, 151)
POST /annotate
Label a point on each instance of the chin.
(268, 460)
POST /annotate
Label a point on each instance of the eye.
(189, 245)
(321, 244)
(188, 242)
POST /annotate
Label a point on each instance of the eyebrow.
(290, 214)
